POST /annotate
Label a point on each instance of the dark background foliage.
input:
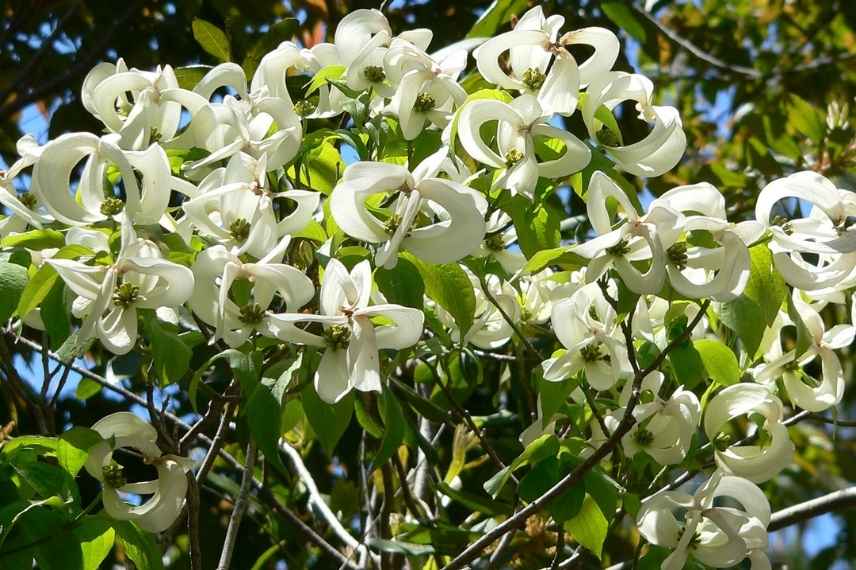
(765, 88)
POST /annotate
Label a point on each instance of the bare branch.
(241, 503)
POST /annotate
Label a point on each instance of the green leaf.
(746, 318)
(556, 256)
(188, 77)
(766, 287)
(86, 389)
(56, 315)
(329, 421)
(589, 526)
(325, 74)
(171, 356)
(806, 119)
(497, 14)
(73, 446)
(34, 239)
(242, 366)
(262, 408)
(74, 346)
(95, 535)
(393, 433)
(13, 281)
(541, 478)
(622, 16)
(41, 283)
(719, 361)
(537, 225)
(212, 39)
(139, 546)
(402, 284)
(450, 287)
(687, 365)
(279, 32)
(320, 168)
(545, 446)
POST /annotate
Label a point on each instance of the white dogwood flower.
(772, 449)
(235, 206)
(588, 328)
(824, 233)
(664, 145)
(640, 238)
(713, 261)
(124, 430)
(352, 339)
(520, 124)
(109, 296)
(804, 391)
(539, 62)
(436, 219)
(236, 297)
(717, 536)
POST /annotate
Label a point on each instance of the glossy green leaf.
(13, 281)
(719, 361)
(589, 527)
(212, 39)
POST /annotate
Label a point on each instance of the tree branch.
(575, 476)
(241, 503)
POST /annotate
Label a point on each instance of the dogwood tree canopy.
(362, 294)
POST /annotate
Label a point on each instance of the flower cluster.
(214, 208)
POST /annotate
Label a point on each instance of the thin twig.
(239, 509)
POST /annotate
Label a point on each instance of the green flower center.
(337, 336)
(533, 78)
(114, 475)
(677, 254)
(304, 107)
(592, 353)
(28, 200)
(126, 295)
(644, 437)
(620, 249)
(374, 74)
(252, 314)
(112, 206)
(424, 102)
(494, 242)
(512, 157)
(240, 229)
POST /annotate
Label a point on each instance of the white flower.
(124, 430)
(144, 204)
(718, 268)
(143, 116)
(664, 428)
(664, 145)
(427, 91)
(804, 391)
(649, 320)
(235, 206)
(532, 46)
(824, 233)
(436, 219)
(639, 238)
(490, 329)
(352, 340)
(236, 297)
(109, 296)
(587, 326)
(518, 125)
(770, 453)
(716, 536)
